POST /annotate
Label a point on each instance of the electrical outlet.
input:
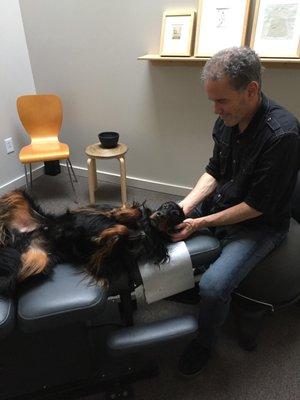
(9, 145)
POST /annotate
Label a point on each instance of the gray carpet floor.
(271, 372)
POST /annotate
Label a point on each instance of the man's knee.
(213, 290)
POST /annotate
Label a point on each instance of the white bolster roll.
(172, 277)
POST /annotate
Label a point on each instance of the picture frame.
(221, 24)
(276, 28)
(177, 33)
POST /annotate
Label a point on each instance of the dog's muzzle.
(159, 221)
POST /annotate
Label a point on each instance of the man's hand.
(232, 215)
(185, 229)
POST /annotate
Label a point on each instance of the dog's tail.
(10, 264)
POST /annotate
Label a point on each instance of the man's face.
(233, 107)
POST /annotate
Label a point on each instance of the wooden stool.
(95, 151)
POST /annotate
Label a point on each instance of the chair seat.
(66, 296)
(45, 151)
(276, 280)
(7, 316)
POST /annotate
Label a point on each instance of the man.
(244, 195)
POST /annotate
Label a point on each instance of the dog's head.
(167, 216)
(149, 241)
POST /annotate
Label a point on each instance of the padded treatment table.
(7, 316)
(67, 296)
(62, 328)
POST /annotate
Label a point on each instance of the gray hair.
(241, 64)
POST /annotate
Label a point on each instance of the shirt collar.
(255, 124)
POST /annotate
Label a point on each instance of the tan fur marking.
(34, 261)
(122, 215)
(111, 233)
(106, 239)
(15, 214)
(89, 210)
(127, 215)
(22, 220)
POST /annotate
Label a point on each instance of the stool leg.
(123, 181)
(91, 164)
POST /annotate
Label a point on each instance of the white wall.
(86, 51)
(15, 79)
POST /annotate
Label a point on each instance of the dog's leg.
(109, 237)
(126, 215)
(34, 261)
(10, 264)
(106, 241)
(15, 214)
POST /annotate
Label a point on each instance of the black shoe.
(193, 359)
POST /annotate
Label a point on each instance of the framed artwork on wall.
(177, 33)
(221, 24)
(276, 28)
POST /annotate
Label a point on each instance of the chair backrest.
(296, 200)
(41, 115)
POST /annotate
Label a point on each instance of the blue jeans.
(242, 250)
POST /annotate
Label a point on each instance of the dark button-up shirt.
(258, 166)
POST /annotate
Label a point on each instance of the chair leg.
(71, 180)
(75, 178)
(30, 169)
(26, 177)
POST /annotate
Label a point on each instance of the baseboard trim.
(139, 183)
(20, 180)
(110, 177)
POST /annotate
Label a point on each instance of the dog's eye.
(174, 213)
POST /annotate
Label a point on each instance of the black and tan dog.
(104, 241)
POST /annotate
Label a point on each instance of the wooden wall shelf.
(270, 62)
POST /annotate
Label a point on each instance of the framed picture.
(276, 28)
(221, 24)
(177, 33)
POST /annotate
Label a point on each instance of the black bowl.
(108, 140)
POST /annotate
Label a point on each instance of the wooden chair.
(41, 116)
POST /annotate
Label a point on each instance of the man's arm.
(233, 215)
(204, 187)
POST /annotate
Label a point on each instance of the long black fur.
(104, 241)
